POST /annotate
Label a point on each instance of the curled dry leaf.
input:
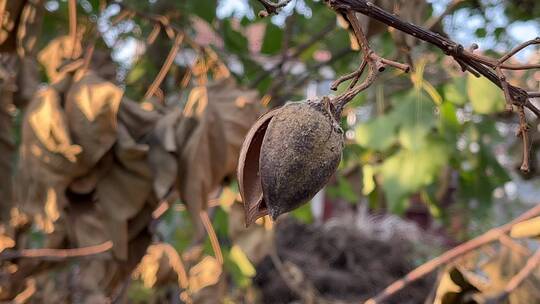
(287, 157)
(161, 265)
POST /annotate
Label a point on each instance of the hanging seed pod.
(287, 157)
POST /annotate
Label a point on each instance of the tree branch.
(56, 254)
(424, 269)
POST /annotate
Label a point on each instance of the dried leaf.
(249, 180)
(9, 12)
(53, 56)
(206, 273)
(123, 191)
(161, 265)
(238, 110)
(526, 229)
(216, 119)
(201, 162)
(162, 149)
(29, 27)
(91, 109)
(6, 242)
(454, 287)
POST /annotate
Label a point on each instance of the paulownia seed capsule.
(295, 150)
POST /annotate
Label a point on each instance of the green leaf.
(406, 172)
(378, 134)
(481, 32)
(455, 91)
(303, 214)
(273, 38)
(234, 41)
(486, 98)
(413, 137)
(414, 108)
(206, 9)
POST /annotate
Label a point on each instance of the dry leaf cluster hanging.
(19, 28)
(94, 164)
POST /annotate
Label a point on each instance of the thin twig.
(297, 51)
(213, 237)
(467, 59)
(375, 64)
(166, 66)
(72, 8)
(436, 20)
(513, 245)
(424, 269)
(56, 254)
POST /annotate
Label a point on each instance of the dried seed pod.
(288, 156)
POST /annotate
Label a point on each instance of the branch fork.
(374, 62)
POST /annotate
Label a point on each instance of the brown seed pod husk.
(249, 180)
(301, 150)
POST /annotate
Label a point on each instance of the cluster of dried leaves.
(93, 165)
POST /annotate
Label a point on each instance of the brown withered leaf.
(201, 162)
(54, 55)
(161, 157)
(249, 180)
(9, 12)
(48, 157)
(125, 188)
(91, 108)
(238, 109)
(209, 136)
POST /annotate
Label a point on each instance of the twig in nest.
(294, 279)
(271, 7)
(56, 254)
(375, 64)
(449, 256)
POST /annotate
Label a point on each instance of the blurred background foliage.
(435, 146)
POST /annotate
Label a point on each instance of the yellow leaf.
(6, 242)
(239, 257)
(205, 273)
(526, 229)
(368, 173)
